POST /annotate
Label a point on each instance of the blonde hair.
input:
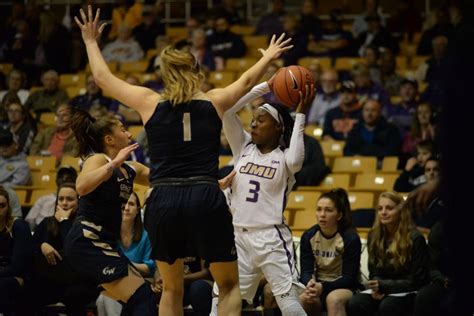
(397, 253)
(181, 75)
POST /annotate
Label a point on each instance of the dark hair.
(9, 218)
(288, 123)
(426, 144)
(138, 223)
(6, 137)
(432, 158)
(53, 225)
(341, 201)
(65, 174)
(90, 132)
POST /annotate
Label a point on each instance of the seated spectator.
(191, 24)
(45, 205)
(397, 262)
(310, 21)
(56, 140)
(48, 98)
(14, 202)
(135, 244)
(16, 249)
(373, 136)
(16, 83)
(372, 60)
(402, 114)
(423, 128)
(124, 49)
(339, 121)
(229, 9)
(366, 88)
(390, 80)
(129, 12)
(376, 35)
(360, 24)
(54, 281)
(272, 22)
(413, 173)
(434, 299)
(151, 27)
(333, 40)
(201, 52)
(14, 169)
(330, 256)
(92, 96)
(433, 72)
(441, 27)
(223, 42)
(317, 71)
(20, 126)
(432, 169)
(406, 21)
(156, 81)
(329, 99)
(18, 47)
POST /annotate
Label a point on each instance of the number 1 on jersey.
(187, 127)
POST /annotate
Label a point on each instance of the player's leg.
(134, 292)
(279, 269)
(171, 302)
(336, 302)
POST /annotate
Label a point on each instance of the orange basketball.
(289, 81)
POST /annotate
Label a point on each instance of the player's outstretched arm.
(140, 99)
(225, 98)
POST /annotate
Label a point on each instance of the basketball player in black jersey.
(104, 185)
(186, 212)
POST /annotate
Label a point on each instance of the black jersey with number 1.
(184, 139)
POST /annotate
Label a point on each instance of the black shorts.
(190, 220)
(94, 253)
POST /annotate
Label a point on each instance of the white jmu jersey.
(260, 187)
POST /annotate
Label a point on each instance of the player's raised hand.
(89, 25)
(305, 100)
(276, 47)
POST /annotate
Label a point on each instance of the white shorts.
(267, 251)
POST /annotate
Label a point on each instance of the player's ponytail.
(90, 132)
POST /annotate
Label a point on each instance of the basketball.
(289, 81)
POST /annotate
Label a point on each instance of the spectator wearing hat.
(333, 40)
(46, 204)
(225, 43)
(340, 120)
(373, 135)
(401, 114)
(14, 169)
(376, 35)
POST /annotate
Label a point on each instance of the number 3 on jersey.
(187, 127)
(254, 191)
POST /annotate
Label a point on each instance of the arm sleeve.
(233, 129)
(22, 251)
(350, 265)
(294, 155)
(306, 258)
(64, 228)
(41, 234)
(416, 276)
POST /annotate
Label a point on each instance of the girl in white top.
(266, 161)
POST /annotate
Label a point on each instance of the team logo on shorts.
(108, 271)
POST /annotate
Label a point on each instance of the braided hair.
(288, 123)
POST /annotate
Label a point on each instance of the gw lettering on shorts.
(108, 271)
(285, 295)
(325, 253)
(257, 170)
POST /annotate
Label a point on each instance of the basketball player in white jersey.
(265, 163)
